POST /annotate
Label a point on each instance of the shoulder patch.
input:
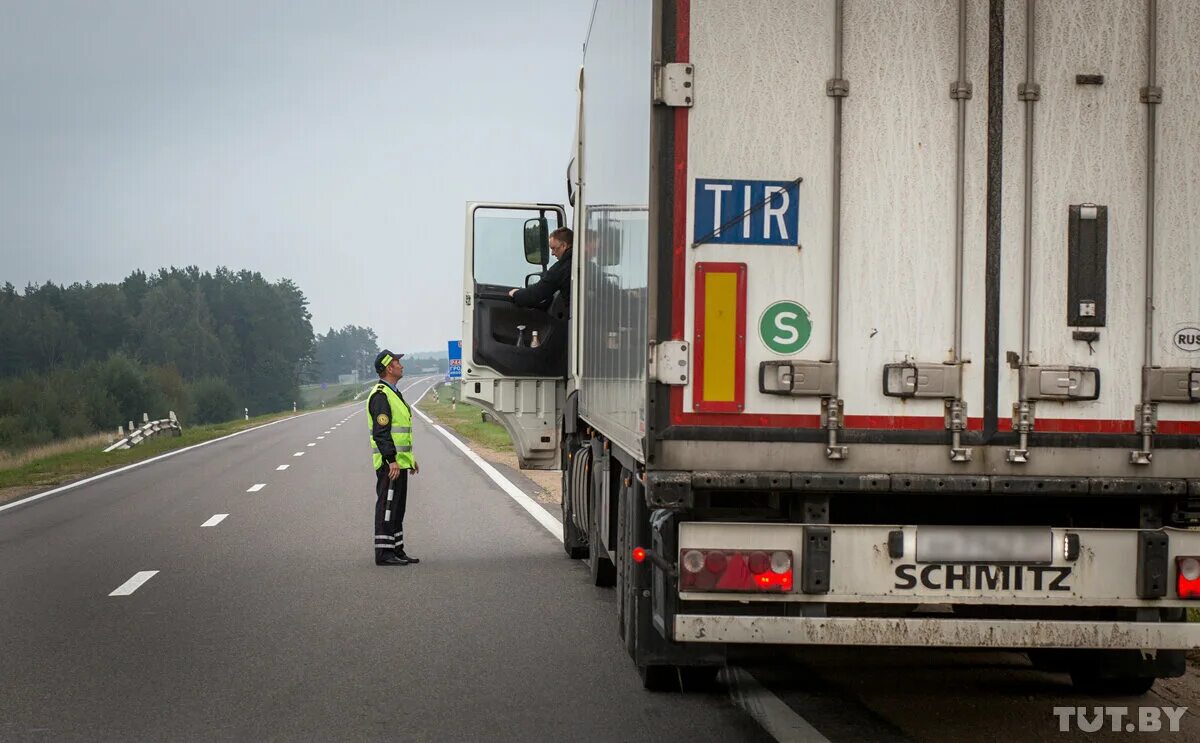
(382, 419)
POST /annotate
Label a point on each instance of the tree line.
(86, 357)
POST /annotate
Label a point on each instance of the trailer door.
(514, 358)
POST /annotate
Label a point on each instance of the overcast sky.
(333, 143)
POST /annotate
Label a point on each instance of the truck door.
(514, 358)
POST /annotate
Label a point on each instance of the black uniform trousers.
(391, 498)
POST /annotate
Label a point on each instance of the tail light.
(1187, 577)
(746, 571)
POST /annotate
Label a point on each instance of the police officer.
(392, 455)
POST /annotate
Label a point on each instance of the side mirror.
(537, 241)
(532, 279)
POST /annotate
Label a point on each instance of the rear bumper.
(973, 633)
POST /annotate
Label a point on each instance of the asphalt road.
(275, 623)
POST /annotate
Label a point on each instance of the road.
(250, 608)
(275, 624)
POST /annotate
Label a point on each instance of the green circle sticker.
(785, 327)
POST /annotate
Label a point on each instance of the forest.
(83, 358)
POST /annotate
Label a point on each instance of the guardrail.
(169, 426)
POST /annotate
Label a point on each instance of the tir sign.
(746, 212)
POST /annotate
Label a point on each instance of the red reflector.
(1187, 577)
(639, 554)
(716, 562)
(760, 562)
(747, 571)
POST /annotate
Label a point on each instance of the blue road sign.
(746, 212)
(454, 352)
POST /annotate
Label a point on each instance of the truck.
(883, 330)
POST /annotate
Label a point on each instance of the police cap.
(384, 358)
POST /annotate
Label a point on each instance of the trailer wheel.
(1086, 682)
(604, 573)
(574, 540)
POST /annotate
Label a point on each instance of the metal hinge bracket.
(956, 421)
(960, 89)
(1145, 417)
(837, 87)
(669, 362)
(831, 419)
(1029, 92)
(674, 84)
(1151, 94)
(1022, 420)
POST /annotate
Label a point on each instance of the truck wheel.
(574, 540)
(604, 573)
(678, 678)
(620, 565)
(1086, 682)
(659, 678)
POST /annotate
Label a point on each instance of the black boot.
(405, 556)
(389, 557)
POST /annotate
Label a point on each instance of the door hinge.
(674, 84)
(669, 362)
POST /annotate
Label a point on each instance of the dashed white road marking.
(134, 583)
(282, 467)
(320, 438)
(311, 443)
(298, 454)
(144, 462)
(256, 487)
(216, 519)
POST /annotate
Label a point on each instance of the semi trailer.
(884, 329)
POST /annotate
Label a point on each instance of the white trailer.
(884, 328)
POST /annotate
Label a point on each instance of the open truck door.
(519, 381)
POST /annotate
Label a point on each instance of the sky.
(332, 143)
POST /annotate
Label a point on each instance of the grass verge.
(313, 397)
(81, 458)
(465, 418)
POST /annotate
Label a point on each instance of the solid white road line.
(537, 512)
(282, 467)
(256, 487)
(134, 583)
(143, 463)
(768, 710)
(216, 519)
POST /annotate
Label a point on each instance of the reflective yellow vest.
(401, 421)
